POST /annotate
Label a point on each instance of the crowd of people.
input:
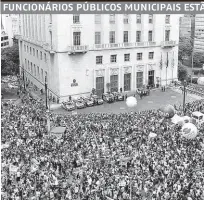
(197, 89)
(100, 156)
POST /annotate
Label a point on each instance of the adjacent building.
(4, 37)
(10, 25)
(80, 52)
(187, 26)
(199, 33)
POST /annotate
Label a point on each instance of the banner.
(102, 8)
(13, 169)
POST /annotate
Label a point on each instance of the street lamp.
(46, 92)
(23, 78)
(167, 65)
(184, 95)
(192, 59)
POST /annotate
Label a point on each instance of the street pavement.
(156, 100)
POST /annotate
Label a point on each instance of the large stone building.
(80, 52)
(199, 33)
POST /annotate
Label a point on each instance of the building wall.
(11, 26)
(199, 33)
(83, 67)
(4, 40)
(185, 26)
(63, 65)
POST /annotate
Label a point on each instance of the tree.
(198, 59)
(185, 48)
(182, 72)
(10, 60)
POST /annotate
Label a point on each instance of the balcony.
(168, 44)
(77, 49)
(123, 45)
(49, 48)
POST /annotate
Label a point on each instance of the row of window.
(34, 52)
(126, 19)
(35, 70)
(33, 26)
(4, 38)
(4, 44)
(112, 37)
(113, 58)
(114, 82)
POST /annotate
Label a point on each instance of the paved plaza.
(156, 100)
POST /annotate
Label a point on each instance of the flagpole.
(172, 67)
(166, 67)
(161, 70)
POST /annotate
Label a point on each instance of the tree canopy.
(182, 72)
(198, 60)
(10, 60)
(185, 48)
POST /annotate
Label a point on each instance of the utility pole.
(172, 66)
(184, 96)
(192, 60)
(23, 78)
(46, 92)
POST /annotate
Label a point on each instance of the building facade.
(11, 27)
(4, 37)
(80, 52)
(199, 33)
(185, 27)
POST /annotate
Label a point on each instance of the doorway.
(151, 78)
(99, 86)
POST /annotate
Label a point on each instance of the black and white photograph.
(102, 106)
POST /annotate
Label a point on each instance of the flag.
(48, 124)
(172, 63)
(161, 62)
(167, 60)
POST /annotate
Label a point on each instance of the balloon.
(201, 81)
(187, 119)
(131, 102)
(189, 131)
(169, 110)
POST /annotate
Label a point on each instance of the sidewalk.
(37, 95)
(196, 97)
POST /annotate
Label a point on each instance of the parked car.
(145, 92)
(97, 100)
(118, 96)
(69, 105)
(64, 105)
(109, 98)
(80, 103)
(89, 101)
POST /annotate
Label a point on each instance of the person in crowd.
(99, 156)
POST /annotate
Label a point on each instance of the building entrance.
(127, 82)
(151, 78)
(114, 83)
(99, 86)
